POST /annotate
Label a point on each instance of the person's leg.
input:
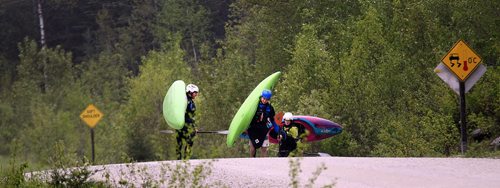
(292, 150)
(189, 145)
(282, 154)
(187, 152)
(263, 151)
(189, 140)
(254, 141)
(178, 149)
(252, 150)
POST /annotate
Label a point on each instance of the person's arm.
(276, 127)
(190, 114)
(193, 109)
(271, 119)
(303, 133)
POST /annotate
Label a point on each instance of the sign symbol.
(454, 56)
(91, 115)
(460, 54)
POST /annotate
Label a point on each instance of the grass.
(4, 160)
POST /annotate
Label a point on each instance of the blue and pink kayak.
(318, 128)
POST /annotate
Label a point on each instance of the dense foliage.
(367, 65)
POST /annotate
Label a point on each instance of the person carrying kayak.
(186, 135)
(262, 121)
(293, 132)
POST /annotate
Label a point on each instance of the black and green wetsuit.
(186, 135)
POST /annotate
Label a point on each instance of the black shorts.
(257, 134)
(288, 144)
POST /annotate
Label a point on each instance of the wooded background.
(367, 65)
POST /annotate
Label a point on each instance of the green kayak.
(244, 116)
(174, 104)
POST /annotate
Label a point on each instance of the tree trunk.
(194, 48)
(42, 43)
(40, 19)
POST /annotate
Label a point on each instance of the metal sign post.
(92, 141)
(91, 116)
(461, 62)
(463, 122)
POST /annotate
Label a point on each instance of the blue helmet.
(267, 94)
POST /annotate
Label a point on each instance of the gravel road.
(341, 171)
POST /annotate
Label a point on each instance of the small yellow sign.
(91, 115)
(461, 60)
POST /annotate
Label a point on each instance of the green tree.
(41, 71)
(7, 120)
(360, 89)
(189, 18)
(225, 84)
(310, 70)
(103, 82)
(46, 98)
(142, 115)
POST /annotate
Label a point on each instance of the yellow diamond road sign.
(91, 115)
(461, 60)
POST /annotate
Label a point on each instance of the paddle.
(278, 118)
(224, 132)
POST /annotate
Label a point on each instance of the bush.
(67, 171)
(295, 170)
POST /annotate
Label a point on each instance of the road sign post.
(91, 116)
(463, 122)
(92, 141)
(462, 61)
